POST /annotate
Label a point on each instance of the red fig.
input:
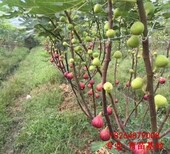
(82, 85)
(65, 74)
(105, 134)
(117, 82)
(162, 80)
(91, 81)
(127, 84)
(70, 75)
(85, 76)
(97, 95)
(89, 85)
(109, 110)
(98, 121)
(146, 97)
(99, 87)
(90, 92)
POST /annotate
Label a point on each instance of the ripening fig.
(82, 85)
(117, 82)
(85, 76)
(108, 87)
(161, 61)
(89, 85)
(109, 110)
(97, 95)
(110, 33)
(96, 62)
(92, 82)
(162, 80)
(137, 83)
(98, 121)
(117, 54)
(133, 41)
(160, 101)
(127, 84)
(146, 97)
(117, 12)
(90, 92)
(70, 75)
(65, 74)
(149, 8)
(98, 8)
(99, 87)
(105, 134)
(137, 28)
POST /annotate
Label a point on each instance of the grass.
(9, 60)
(43, 128)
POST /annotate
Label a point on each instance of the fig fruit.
(137, 28)
(98, 121)
(161, 61)
(105, 134)
(96, 62)
(137, 83)
(133, 41)
(160, 101)
(108, 87)
(117, 54)
(98, 8)
(110, 33)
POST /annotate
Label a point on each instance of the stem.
(165, 119)
(77, 82)
(118, 121)
(149, 72)
(165, 133)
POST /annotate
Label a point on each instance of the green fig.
(106, 26)
(117, 12)
(74, 41)
(96, 62)
(117, 54)
(89, 52)
(62, 19)
(137, 28)
(137, 83)
(160, 101)
(70, 26)
(108, 87)
(133, 41)
(88, 39)
(161, 61)
(92, 68)
(98, 8)
(149, 8)
(95, 55)
(110, 33)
